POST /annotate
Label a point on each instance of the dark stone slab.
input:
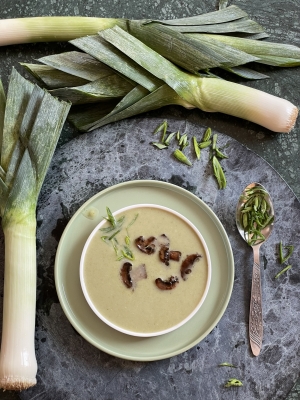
(69, 367)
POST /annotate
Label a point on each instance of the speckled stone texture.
(70, 368)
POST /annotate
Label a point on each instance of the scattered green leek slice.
(169, 138)
(159, 145)
(207, 135)
(30, 131)
(219, 173)
(226, 364)
(233, 382)
(203, 145)
(290, 249)
(196, 148)
(180, 156)
(285, 269)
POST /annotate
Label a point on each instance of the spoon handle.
(255, 316)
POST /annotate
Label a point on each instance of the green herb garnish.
(161, 127)
(207, 135)
(169, 138)
(203, 145)
(219, 173)
(178, 154)
(225, 364)
(233, 382)
(160, 146)
(196, 147)
(127, 238)
(218, 170)
(289, 249)
(283, 271)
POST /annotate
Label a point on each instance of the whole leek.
(32, 123)
(208, 94)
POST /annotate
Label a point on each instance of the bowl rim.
(119, 328)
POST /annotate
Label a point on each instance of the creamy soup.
(152, 292)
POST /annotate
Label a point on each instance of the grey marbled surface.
(71, 368)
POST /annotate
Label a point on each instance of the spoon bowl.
(255, 221)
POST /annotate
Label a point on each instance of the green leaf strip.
(18, 94)
(108, 54)
(2, 112)
(79, 64)
(52, 78)
(216, 17)
(112, 86)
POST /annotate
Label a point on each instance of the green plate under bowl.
(77, 310)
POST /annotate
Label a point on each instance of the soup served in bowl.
(145, 270)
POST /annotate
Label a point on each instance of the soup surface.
(144, 307)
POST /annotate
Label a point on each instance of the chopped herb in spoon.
(255, 214)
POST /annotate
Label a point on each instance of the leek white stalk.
(18, 366)
(271, 112)
(32, 124)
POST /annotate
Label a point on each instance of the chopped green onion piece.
(127, 253)
(207, 135)
(290, 249)
(196, 148)
(233, 382)
(169, 138)
(214, 141)
(220, 154)
(114, 234)
(226, 364)
(283, 271)
(110, 217)
(159, 145)
(178, 154)
(203, 145)
(219, 173)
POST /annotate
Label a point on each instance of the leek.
(208, 94)
(65, 28)
(32, 123)
(140, 54)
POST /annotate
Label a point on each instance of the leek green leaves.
(130, 68)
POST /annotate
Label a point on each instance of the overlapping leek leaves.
(30, 124)
(164, 62)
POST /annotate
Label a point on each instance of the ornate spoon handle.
(255, 316)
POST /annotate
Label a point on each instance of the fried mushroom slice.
(168, 284)
(175, 255)
(187, 265)
(164, 254)
(125, 274)
(146, 245)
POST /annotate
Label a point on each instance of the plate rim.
(221, 229)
